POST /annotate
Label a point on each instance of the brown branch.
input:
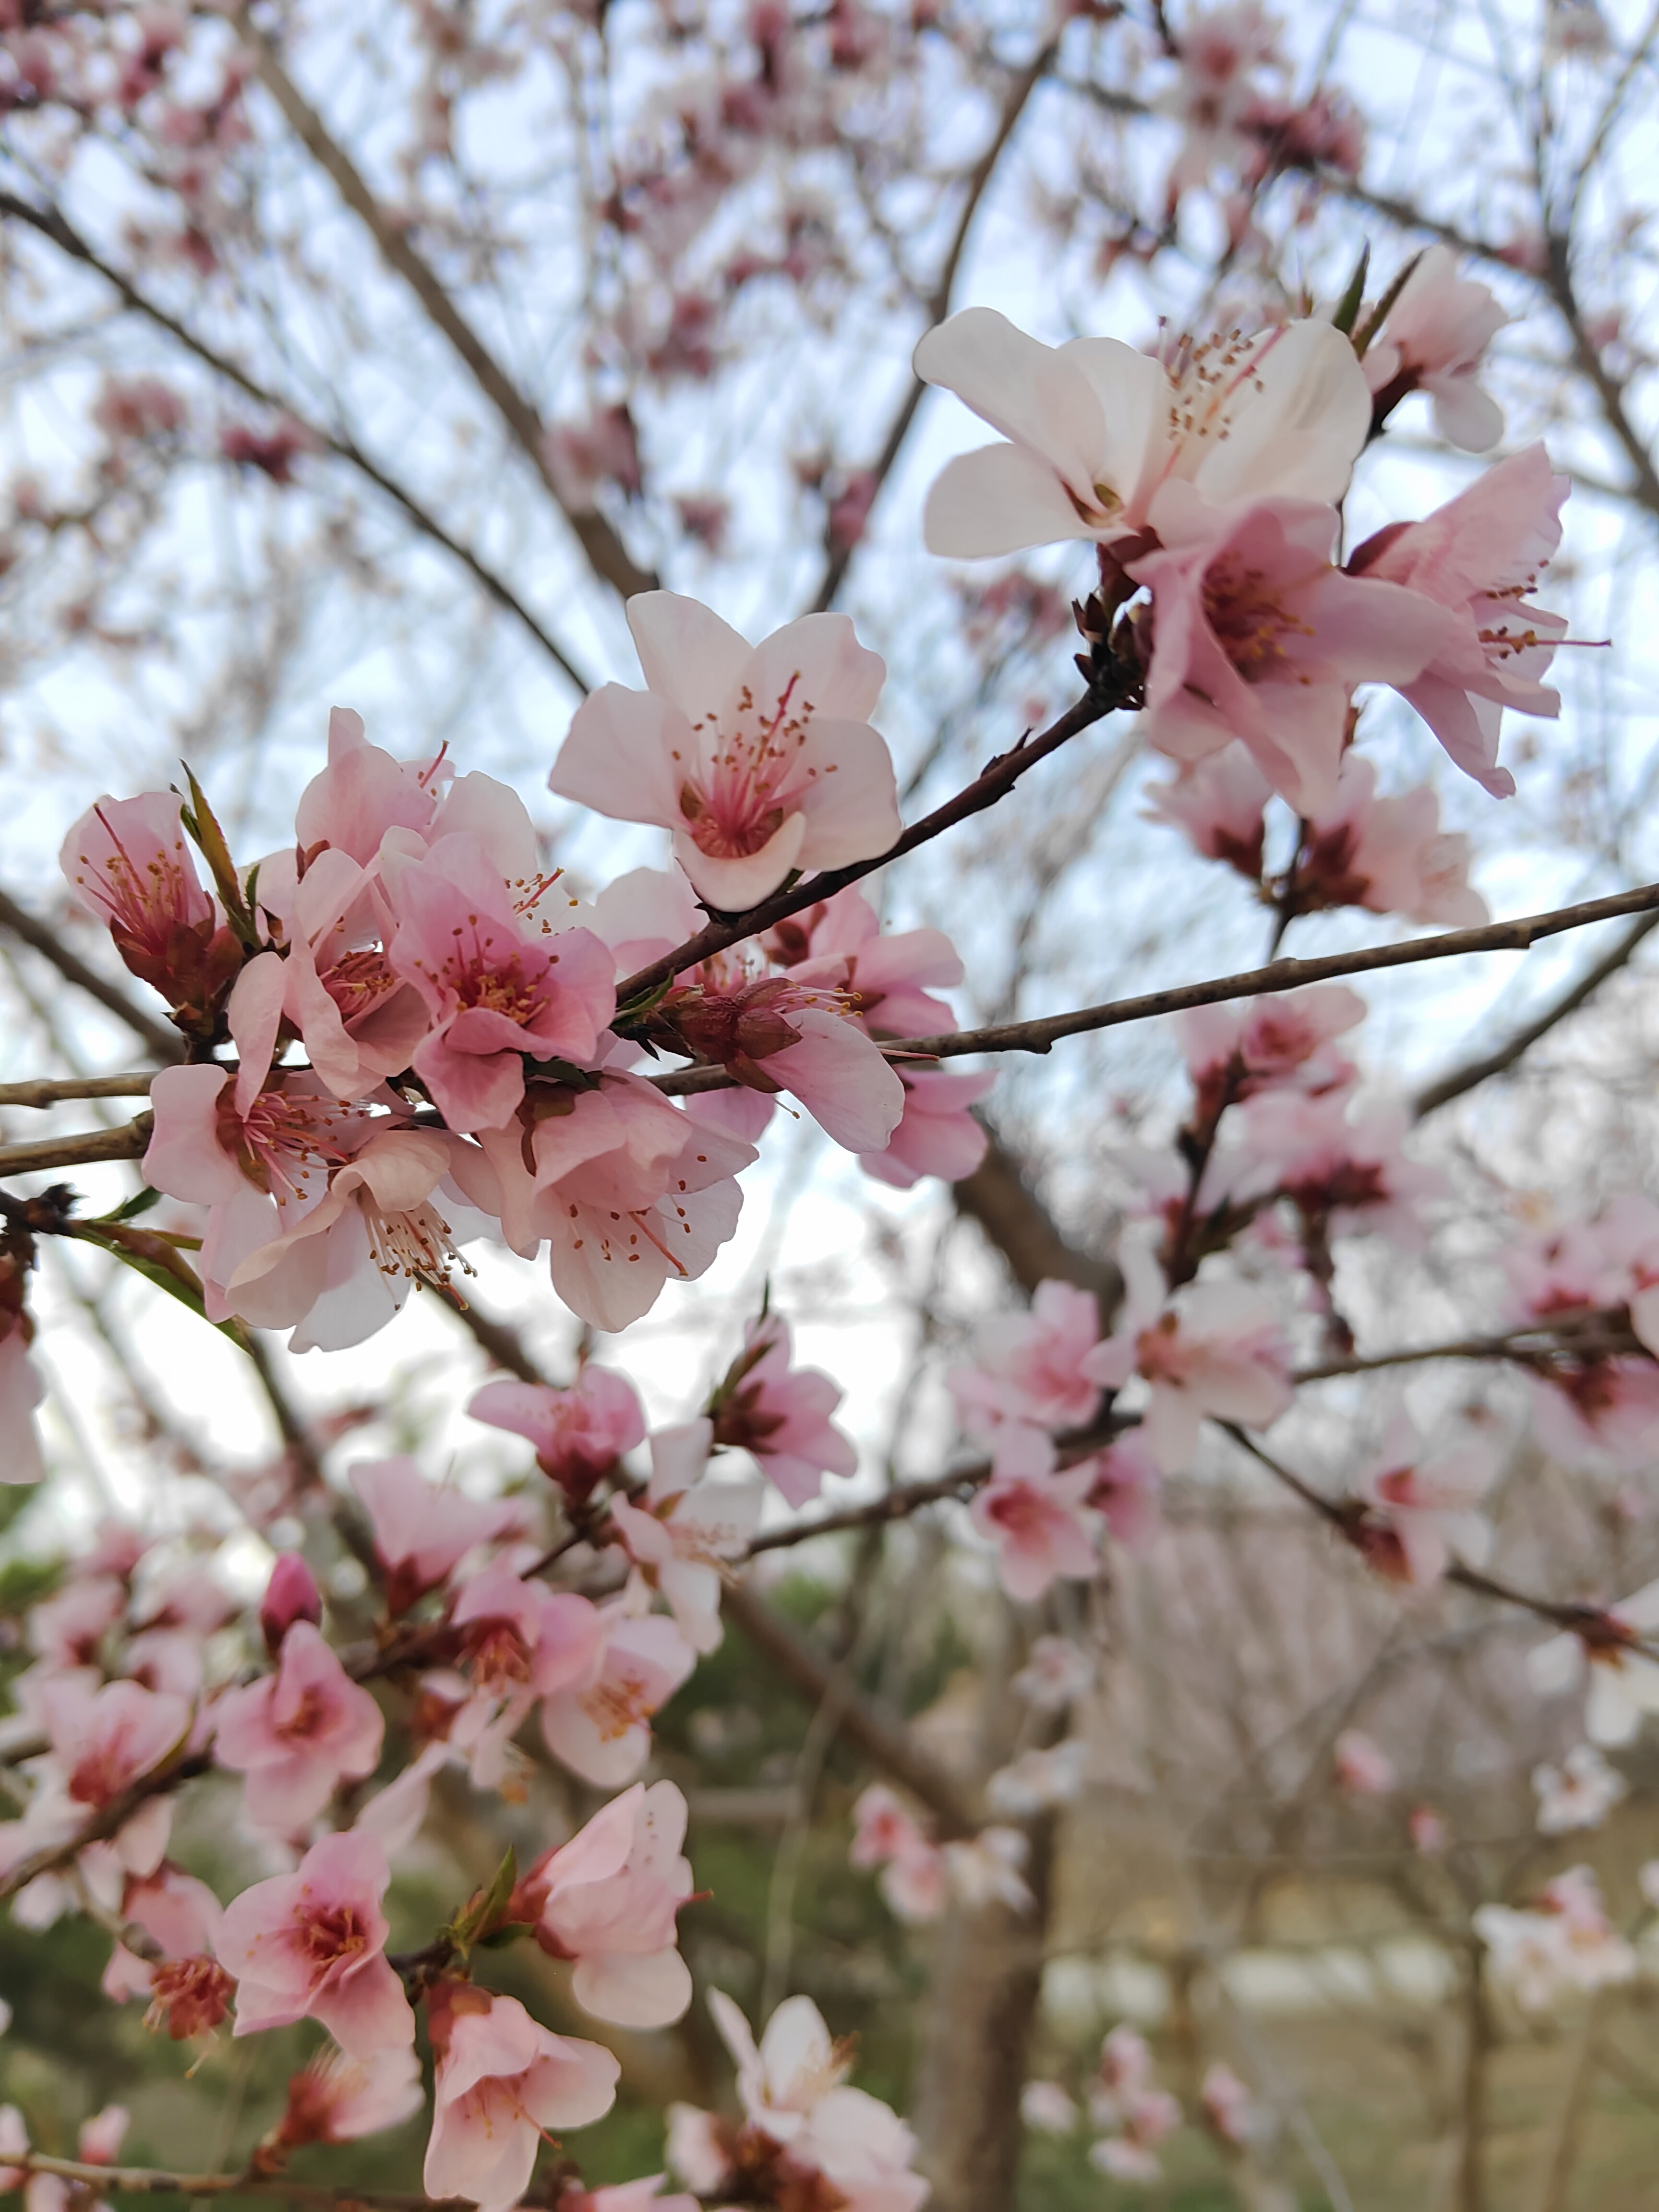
(1608, 389)
(154, 2181)
(997, 780)
(163, 1040)
(52, 224)
(607, 555)
(1457, 1080)
(937, 306)
(999, 1198)
(42, 1091)
(128, 1142)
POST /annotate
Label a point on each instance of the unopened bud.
(291, 1595)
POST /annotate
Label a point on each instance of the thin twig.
(128, 1142)
(154, 2181)
(607, 557)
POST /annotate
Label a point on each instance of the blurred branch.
(163, 1040)
(107, 1821)
(936, 306)
(52, 224)
(1457, 1080)
(1609, 388)
(607, 555)
(153, 2181)
(129, 1141)
(999, 1198)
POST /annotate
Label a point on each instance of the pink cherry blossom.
(1027, 1367)
(291, 1595)
(600, 1729)
(691, 1527)
(423, 1530)
(882, 1828)
(520, 1642)
(839, 946)
(363, 792)
(781, 1415)
(67, 1629)
(580, 1434)
(359, 1022)
(99, 2142)
(502, 2080)
(937, 1134)
(1057, 1673)
(1286, 1039)
(297, 1734)
(1363, 1768)
(1255, 635)
(335, 2099)
(1045, 2106)
(1337, 1159)
(760, 759)
(350, 1261)
(311, 1944)
(1126, 1491)
(103, 1741)
(1098, 430)
(1219, 805)
(497, 984)
(1565, 1944)
(1388, 854)
(628, 1191)
(1215, 1349)
(1227, 2104)
(187, 1989)
(1038, 1780)
(1432, 340)
(607, 1899)
(885, 1835)
(1476, 557)
(640, 2196)
(1422, 1509)
(127, 862)
(1036, 1516)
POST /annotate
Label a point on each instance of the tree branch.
(128, 1142)
(52, 224)
(106, 1821)
(937, 306)
(42, 1092)
(163, 1040)
(999, 1197)
(607, 557)
(1457, 1080)
(154, 2181)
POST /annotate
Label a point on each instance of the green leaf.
(203, 824)
(157, 1258)
(1379, 314)
(1348, 309)
(130, 1208)
(483, 1915)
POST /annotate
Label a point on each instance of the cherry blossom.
(1098, 430)
(297, 1734)
(1422, 1509)
(1283, 1040)
(312, 1945)
(99, 2144)
(1219, 803)
(1363, 1769)
(580, 1434)
(1036, 1514)
(1388, 854)
(335, 2099)
(1255, 636)
(1038, 1780)
(1565, 1944)
(1215, 1350)
(988, 1868)
(601, 1727)
(1045, 2106)
(1432, 340)
(1580, 1793)
(104, 1741)
(937, 1134)
(188, 1991)
(1623, 1681)
(423, 1530)
(760, 759)
(291, 1595)
(839, 946)
(1056, 1674)
(912, 1869)
(607, 1899)
(781, 1415)
(520, 1642)
(1476, 557)
(1228, 2107)
(496, 987)
(502, 2080)
(688, 1529)
(1027, 1367)
(127, 862)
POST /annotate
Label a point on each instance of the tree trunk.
(987, 1977)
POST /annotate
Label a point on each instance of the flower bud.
(291, 1595)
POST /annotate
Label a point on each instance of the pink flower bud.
(291, 1595)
